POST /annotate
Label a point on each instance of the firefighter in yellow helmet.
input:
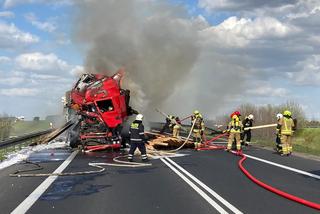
(198, 128)
(285, 128)
(234, 128)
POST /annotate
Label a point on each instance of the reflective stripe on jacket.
(136, 132)
(235, 126)
(199, 124)
(286, 125)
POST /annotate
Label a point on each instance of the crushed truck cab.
(101, 106)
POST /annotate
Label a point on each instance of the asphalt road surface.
(198, 182)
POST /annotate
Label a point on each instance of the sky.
(250, 51)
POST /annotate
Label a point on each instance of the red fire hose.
(216, 138)
(185, 118)
(274, 190)
(207, 145)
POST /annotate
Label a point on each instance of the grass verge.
(24, 127)
(304, 141)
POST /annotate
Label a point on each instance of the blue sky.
(261, 53)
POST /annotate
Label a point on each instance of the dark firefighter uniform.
(246, 135)
(137, 139)
(169, 124)
(278, 136)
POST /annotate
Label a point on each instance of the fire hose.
(91, 164)
(134, 165)
(273, 189)
(262, 184)
(187, 139)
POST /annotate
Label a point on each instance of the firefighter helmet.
(196, 112)
(287, 113)
(279, 116)
(250, 117)
(139, 117)
(237, 113)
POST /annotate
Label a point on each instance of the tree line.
(6, 123)
(266, 114)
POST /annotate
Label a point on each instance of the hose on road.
(273, 189)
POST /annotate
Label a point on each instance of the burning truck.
(101, 107)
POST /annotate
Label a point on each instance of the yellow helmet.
(287, 113)
(196, 112)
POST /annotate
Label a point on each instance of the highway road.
(198, 182)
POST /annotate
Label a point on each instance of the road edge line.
(284, 167)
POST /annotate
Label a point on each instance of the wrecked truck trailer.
(101, 107)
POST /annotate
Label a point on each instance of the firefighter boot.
(290, 150)
(239, 152)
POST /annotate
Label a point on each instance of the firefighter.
(234, 128)
(137, 139)
(285, 129)
(247, 122)
(198, 128)
(169, 124)
(176, 128)
(278, 140)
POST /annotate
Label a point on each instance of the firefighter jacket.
(247, 123)
(170, 121)
(136, 132)
(235, 126)
(199, 124)
(285, 126)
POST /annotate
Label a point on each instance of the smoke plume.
(153, 41)
(167, 64)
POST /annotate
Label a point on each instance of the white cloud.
(267, 91)
(42, 63)
(4, 59)
(13, 3)
(12, 37)
(6, 14)
(240, 32)
(19, 92)
(77, 70)
(245, 5)
(11, 80)
(44, 26)
(309, 73)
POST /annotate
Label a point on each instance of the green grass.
(305, 141)
(25, 127)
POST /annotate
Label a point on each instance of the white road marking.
(197, 189)
(213, 193)
(35, 195)
(284, 167)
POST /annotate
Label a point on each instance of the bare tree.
(266, 114)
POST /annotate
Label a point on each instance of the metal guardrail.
(22, 139)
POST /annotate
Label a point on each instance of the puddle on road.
(65, 187)
(49, 155)
(83, 185)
